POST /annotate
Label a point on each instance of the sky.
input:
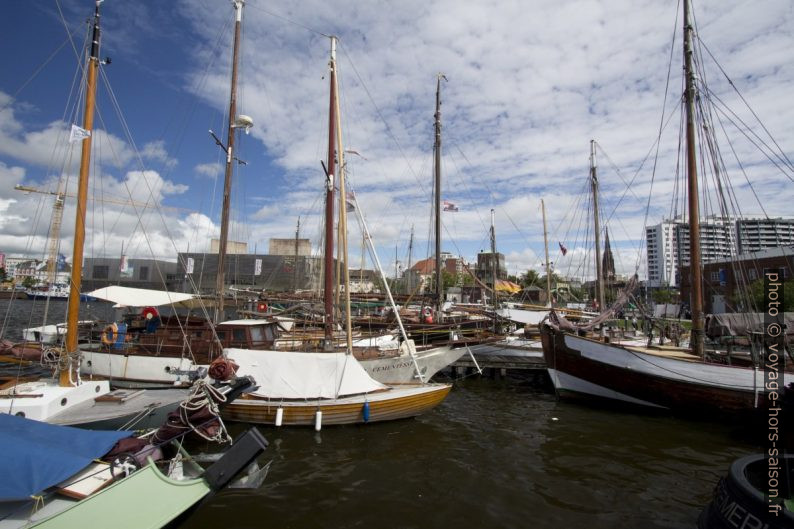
(526, 90)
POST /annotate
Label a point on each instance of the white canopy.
(139, 297)
(296, 375)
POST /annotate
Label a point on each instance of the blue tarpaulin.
(36, 455)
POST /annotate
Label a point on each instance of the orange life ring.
(261, 306)
(427, 312)
(149, 312)
(110, 334)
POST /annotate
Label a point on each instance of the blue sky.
(527, 91)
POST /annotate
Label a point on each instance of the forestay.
(298, 375)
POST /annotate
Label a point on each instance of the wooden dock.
(497, 358)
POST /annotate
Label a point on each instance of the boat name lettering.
(393, 366)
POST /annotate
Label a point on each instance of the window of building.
(143, 273)
(752, 275)
(101, 271)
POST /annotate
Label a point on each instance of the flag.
(189, 266)
(125, 270)
(449, 206)
(60, 264)
(563, 249)
(258, 267)
(78, 134)
(350, 200)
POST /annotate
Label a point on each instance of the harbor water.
(497, 453)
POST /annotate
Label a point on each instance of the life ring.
(427, 314)
(110, 334)
(149, 313)
(261, 306)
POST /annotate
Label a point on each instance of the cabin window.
(257, 334)
(222, 336)
(239, 335)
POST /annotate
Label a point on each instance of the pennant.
(78, 134)
(449, 206)
(563, 249)
(350, 200)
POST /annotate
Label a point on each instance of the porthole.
(63, 401)
(96, 389)
(20, 414)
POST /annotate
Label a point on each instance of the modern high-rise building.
(667, 243)
(758, 234)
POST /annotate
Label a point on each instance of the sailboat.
(176, 350)
(69, 400)
(58, 476)
(662, 378)
(326, 386)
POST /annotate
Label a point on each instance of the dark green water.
(496, 453)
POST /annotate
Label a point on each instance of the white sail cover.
(139, 297)
(296, 375)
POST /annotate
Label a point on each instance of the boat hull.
(580, 366)
(77, 405)
(399, 402)
(401, 369)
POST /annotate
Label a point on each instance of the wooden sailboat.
(325, 387)
(665, 378)
(103, 478)
(69, 400)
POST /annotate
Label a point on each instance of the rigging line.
(288, 20)
(725, 110)
(730, 82)
(491, 196)
(69, 33)
(382, 118)
(661, 126)
(138, 215)
(36, 72)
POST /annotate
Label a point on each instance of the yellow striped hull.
(398, 402)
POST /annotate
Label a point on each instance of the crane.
(57, 216)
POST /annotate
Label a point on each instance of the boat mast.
(597, 223)
(546, 247)
(295, 265)
(329, 205)
(408, 270)
(437, 179)
(227, 181)
(343, 253)
(696, 301)
(495, 265)
(67, 376)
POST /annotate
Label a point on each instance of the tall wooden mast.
(437, 193)
(546, 247)
(696, 302)
(66, 377)
(597, 224)
(227, 181)
(329, 204)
